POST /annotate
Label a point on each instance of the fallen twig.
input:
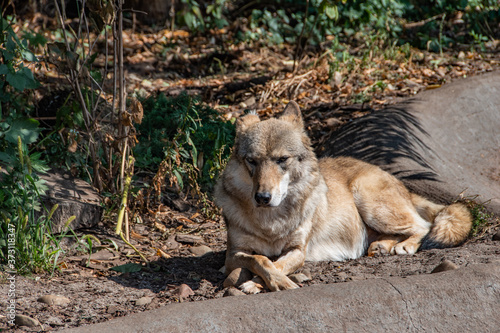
(413, 25)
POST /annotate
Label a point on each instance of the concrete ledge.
(463, 300)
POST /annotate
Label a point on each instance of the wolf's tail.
(450, 224)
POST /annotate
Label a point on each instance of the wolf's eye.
(282, 160)
(251, 161)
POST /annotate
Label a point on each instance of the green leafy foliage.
(26, 241)
(15, 77)
(26, 128)
(480, 218)
(310, 21)
(127, 268)
(199, 16)
(287, 21)
(191, 136)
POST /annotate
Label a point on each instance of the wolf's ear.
(292, 114)
(246, 121)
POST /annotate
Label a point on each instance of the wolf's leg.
(385, 206)
(289, 262)
(263, 267)
(383, 245)
(403, 223)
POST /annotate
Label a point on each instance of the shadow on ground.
(199, 273)
(382, 138)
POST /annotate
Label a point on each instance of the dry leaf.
(195, 215)
(135, 235)
(137, 111)
(73, 146)
(160, 226)
(163, 254)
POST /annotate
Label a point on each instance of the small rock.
(184, 291)
(105, 254)
(143, 301)
(496, 237)
(189, 239)
(200, 250)
(54, 321)
(342, 275)
(299, 277)
(22, 320)
(333, 123)
(445, 265)
(112, 309)
(181, 205)
(232, 291)
(248, 102)
(54, 300)
(355, 278)
(337, 79)
(171, 243)
(307, 273)
(237, 277)
(207, 225)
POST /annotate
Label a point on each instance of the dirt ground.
(98, 294)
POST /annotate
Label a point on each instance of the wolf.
(283, 206)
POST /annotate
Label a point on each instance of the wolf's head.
(276, 154)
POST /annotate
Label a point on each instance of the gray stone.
(232, 291)
(237, 277)
(112, 309)
(143, 301)
(183, 291)
(54, 321)
(445, 265)
(299, 277)
(22, 320)
(200, 251)
(74, 197)
(171, 243)
(54, 300)
(189, 239)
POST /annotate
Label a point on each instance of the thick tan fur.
(282, 206)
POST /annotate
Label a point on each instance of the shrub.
(26, 241)
(189, 135)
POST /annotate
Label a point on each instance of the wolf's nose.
(263, 198)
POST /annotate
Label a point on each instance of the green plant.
(361, 98)
(15, 76)
(381, 16)
(198, 16)
(192, 139)
(479, 40)
(299, 22)
(480, 218)
(24, 217)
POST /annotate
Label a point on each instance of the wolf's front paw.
(282, 283)
(251, 287)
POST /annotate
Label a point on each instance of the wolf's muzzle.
(263, 198)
